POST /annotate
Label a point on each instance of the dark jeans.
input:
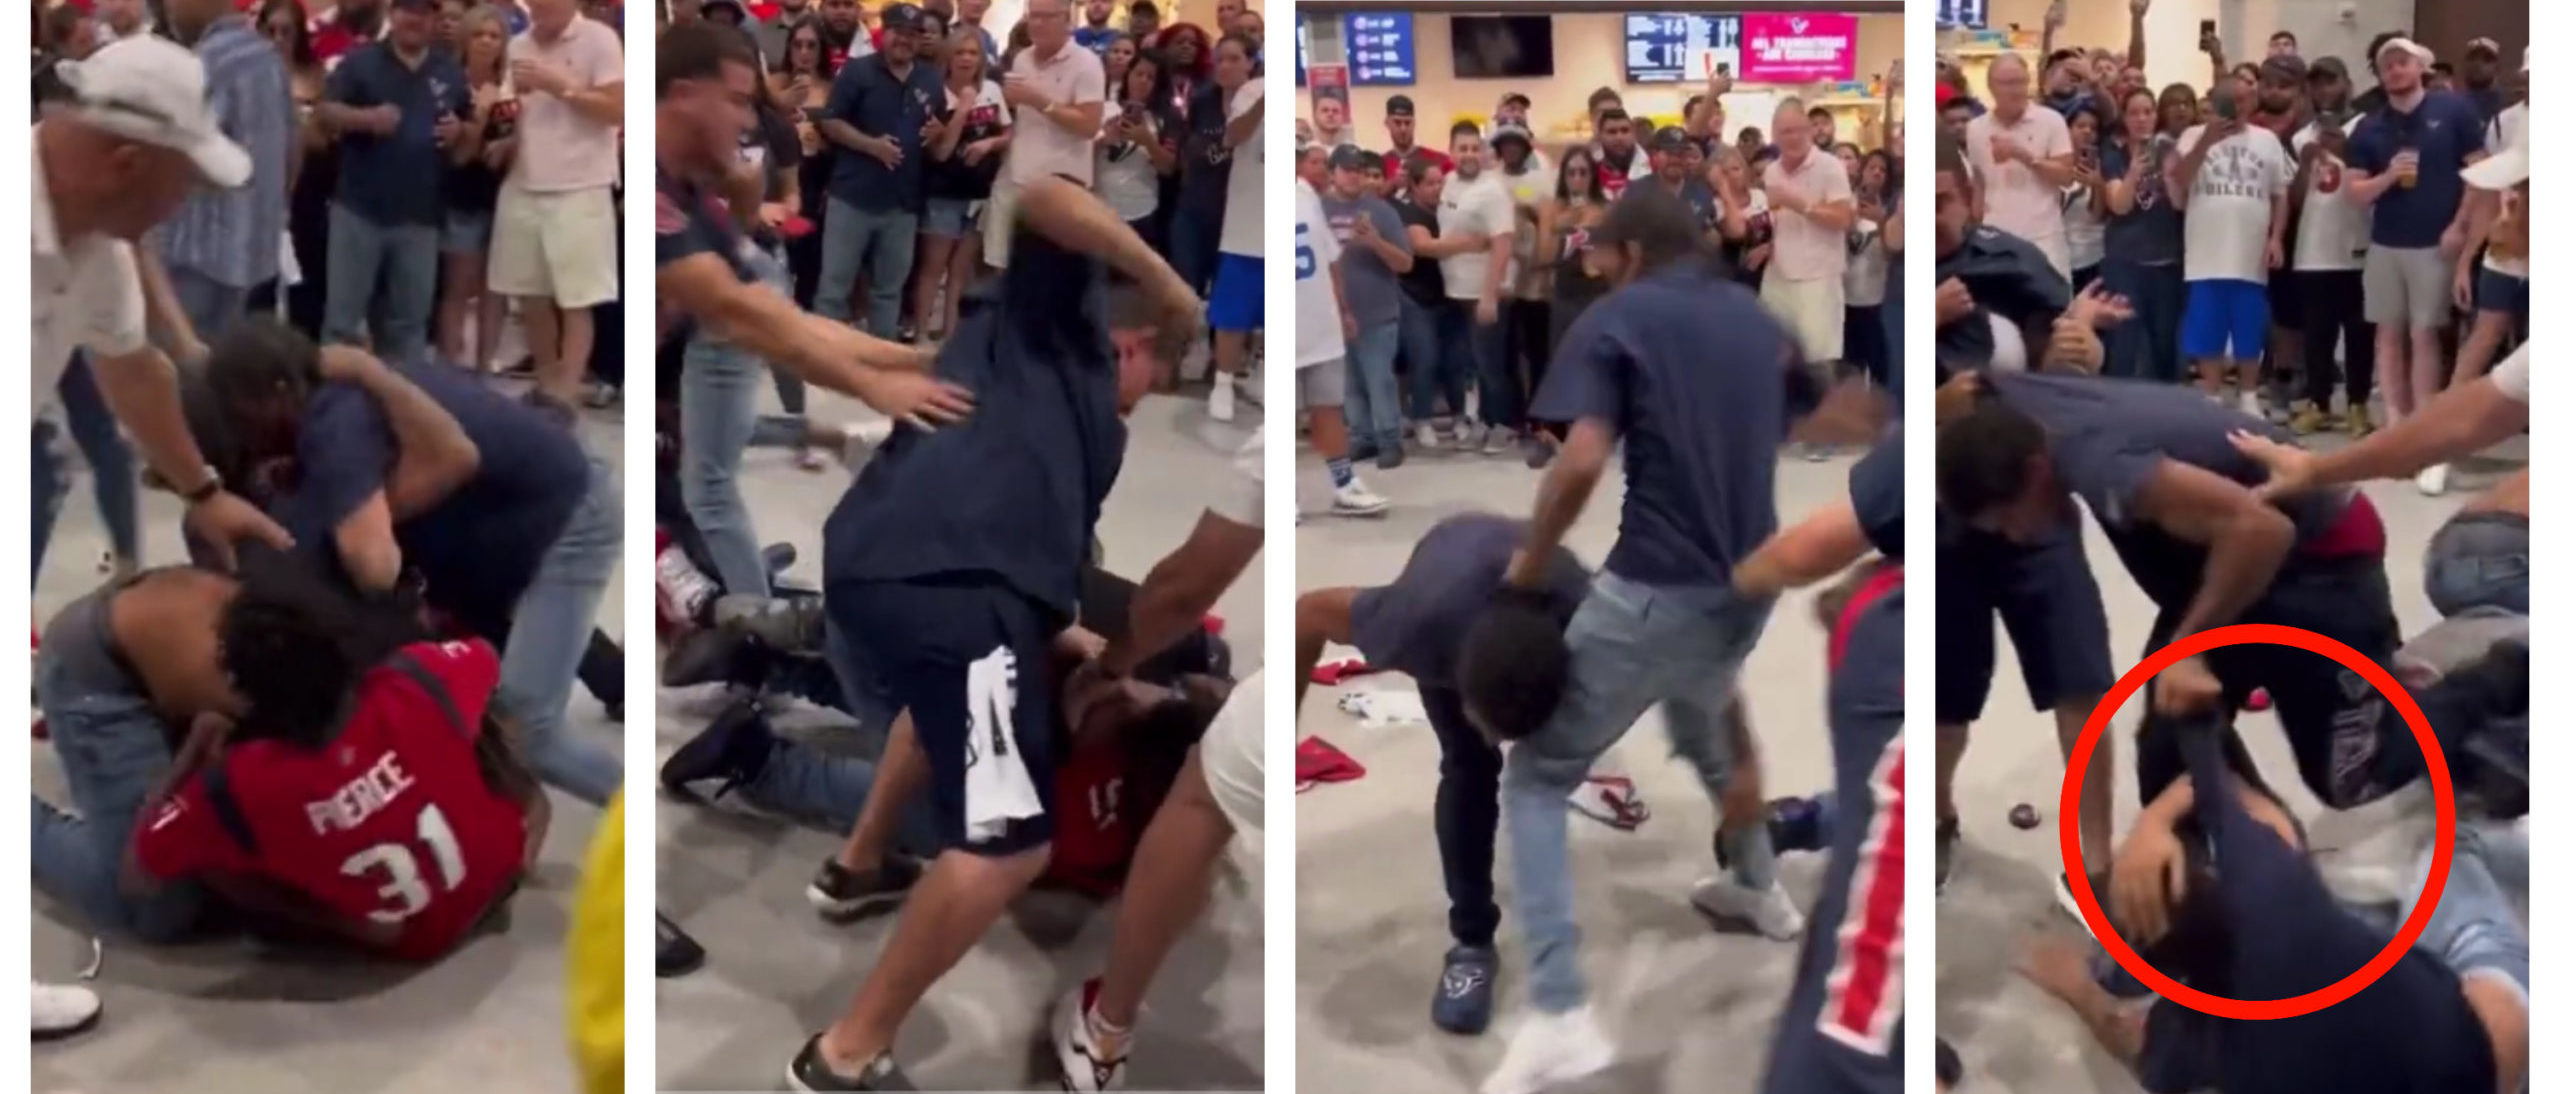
(1466, 812)
(2333, 312)
(1440, 357)
(2145, 347)
(1532, 345)
(1499, 400)
(1191, 245)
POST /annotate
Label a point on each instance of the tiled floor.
(229, 1019)
(778, 973)
(1691, 1010)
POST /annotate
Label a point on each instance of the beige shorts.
(556, 246)
(995, 223)
(1812, 311)
(1231, 757)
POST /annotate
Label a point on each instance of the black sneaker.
(678, 953)
(1946, 851)
(732, 749)
(840, 893)
(1797, 825)
(809, 1074)
(1950, 1067)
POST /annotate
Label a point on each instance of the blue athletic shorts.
(2225, 319)
(1235, 298)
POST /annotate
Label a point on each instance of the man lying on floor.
(513, 529)
(338, 776)
(1118, 765)
(2216, 891)
(2160, 475)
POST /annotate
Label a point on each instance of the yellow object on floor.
(595, 961)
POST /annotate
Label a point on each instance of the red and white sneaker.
(1082, 1067)
(684, 591)
(1611, 800)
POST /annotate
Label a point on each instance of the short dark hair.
(258, 359)
(1465, 129)
(1144, 7)
(295, 647)
(1603, 95)
(1514, 666)
(701, 50)
(1616, 114)
(1822, 112)
(1660, 224)
(1983, 456)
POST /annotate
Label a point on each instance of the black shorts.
(2047, 597)
(968, 659)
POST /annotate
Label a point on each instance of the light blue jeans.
(721, 385)
(1633, 646)
(1369, 403)
(113, 752)
(112, 476)
(212, 307)
(382, 278)
(540, 664)
(2480, 560)
(2475, 928)
(857, 242)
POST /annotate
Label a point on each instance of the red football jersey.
(392, 821)
(1094, 839)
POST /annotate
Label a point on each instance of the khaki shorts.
(1812, 311)
(1323, 384)
(1231, 757)
(559, 247)
(995, 223)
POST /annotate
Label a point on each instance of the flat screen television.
(1499, 47)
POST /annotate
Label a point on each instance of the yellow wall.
(1590, 53)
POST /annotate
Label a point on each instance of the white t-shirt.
(2509, 374)
(2084, 232)
(88, 295)
(1479, 206)
(1242, 232)
(1125, 178)
(1319, 312)
(2335, 231)
(2505, 132)
(2230, 209)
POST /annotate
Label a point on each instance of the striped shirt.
(232, 236)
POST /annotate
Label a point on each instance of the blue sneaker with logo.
(1464, 1003)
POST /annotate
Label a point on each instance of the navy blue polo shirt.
(2445, 129)
(397, 179)
(2410, 1031)
(480, 549)
(1415, 624)
(1875, 492)
(1690, 371)
(875, 102)
(1012, 494)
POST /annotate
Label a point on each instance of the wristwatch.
(204, 491)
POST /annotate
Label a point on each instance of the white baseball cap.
(150, 89)
(2424, 55)
(2504, 170)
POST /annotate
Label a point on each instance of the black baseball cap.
(1516, 99)
(907, 17)
(1670, 138)
(1650, 217)
(2289, 66)
(1399, 106)
(1344, 158)
(2328, 68)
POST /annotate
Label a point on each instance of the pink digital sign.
(1799, 48)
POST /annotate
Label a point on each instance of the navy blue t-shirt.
(2444, 129)
(397, 179)
(1415, 624)
(480, 549)
(875, 102)
(1875, 492)
(1012, 493)
(1205, 157)
(1690, 370)
(2410, 1032)
(2155, 232)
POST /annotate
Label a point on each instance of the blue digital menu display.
(1381, 47)
(1672, 48)
(1302, 51)
(1972, 14)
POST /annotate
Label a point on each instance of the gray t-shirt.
(1367, 283)
(1415, 624)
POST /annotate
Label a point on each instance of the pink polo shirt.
(1041, 147)
(1799, 249)
(562, 150)
(2014, 199)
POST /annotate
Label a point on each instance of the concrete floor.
(231, 1019)
(1691, 1010)
(2014, 1038)
(778, 973)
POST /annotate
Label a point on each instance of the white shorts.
(1231, 758)
(1812, 311)
(995, 222)
(556, 246)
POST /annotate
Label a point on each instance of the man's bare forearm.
(1074, 218)
(2239, 563)
(1182, 588)
(436, 456)
(142, 389)
(1563, 492)
(2465, 419)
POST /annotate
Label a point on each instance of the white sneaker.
(1550, 1050)
(60, 1010)
(683, 589)
(1249, 386)
(1353, 499)
(2433, 480)
(1081, 1069)
(1770, 912)
(2249, 405)
(1222, 397)
(1500, 440)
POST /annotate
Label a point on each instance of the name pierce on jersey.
(369, 793)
